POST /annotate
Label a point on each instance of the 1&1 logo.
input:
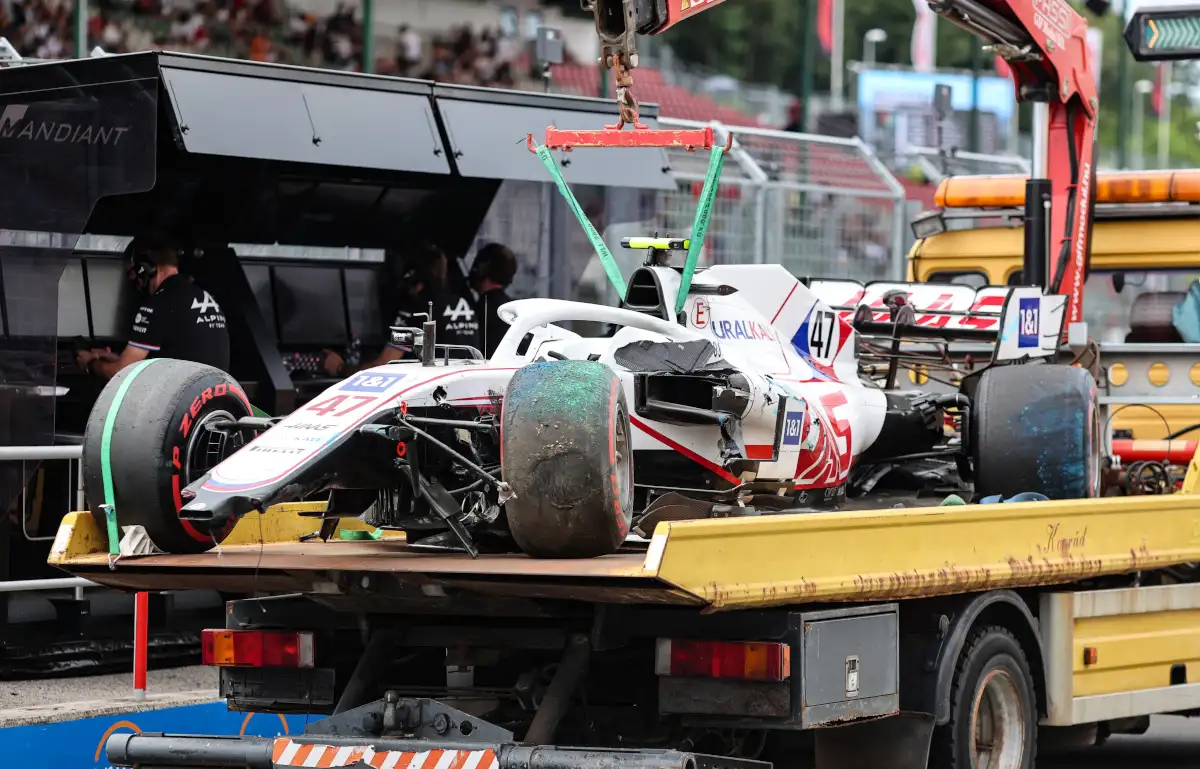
(1028, 322)
(370, 383)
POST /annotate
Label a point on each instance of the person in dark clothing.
(176, 318)
(795, 122)
(411, 283)
(490, 276)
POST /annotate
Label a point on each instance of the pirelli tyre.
(158, 415)
(565, 451)
(1036, 428)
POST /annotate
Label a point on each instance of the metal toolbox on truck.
(838, 665)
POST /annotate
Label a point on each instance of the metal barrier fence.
(936, 165)
(819, 205)
(23, 454)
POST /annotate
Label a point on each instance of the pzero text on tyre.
(1036, 428)
(993, 707)
(566, 453)
(161, 441)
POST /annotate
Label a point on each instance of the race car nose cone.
(196, 511)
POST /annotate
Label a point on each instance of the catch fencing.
(936, 165)
(820, 206)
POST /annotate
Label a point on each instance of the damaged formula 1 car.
(751, 401)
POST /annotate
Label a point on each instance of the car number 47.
(820, 336)
(334, 404)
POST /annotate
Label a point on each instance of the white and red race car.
(752, 400)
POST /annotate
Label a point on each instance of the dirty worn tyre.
(160, 440)
(1036, 428)
(992, 705)
(566, 453)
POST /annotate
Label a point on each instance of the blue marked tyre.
(1036, 428)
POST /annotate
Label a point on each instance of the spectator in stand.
(255, 29)
(260, 45)
(409, 57)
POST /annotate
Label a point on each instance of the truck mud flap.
(164, 750)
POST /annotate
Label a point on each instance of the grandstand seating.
(650, 87)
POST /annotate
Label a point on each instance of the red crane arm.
(1045, 45)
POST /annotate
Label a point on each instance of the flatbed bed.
(745, 563)
(883, 604)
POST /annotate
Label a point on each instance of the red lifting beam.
(689, 139)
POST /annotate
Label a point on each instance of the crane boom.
(1045, 45)
(619, 22)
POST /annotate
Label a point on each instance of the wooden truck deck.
(717, 564)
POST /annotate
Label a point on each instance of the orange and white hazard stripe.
(288, 753)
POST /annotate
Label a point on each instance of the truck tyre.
(993, 708)
(160, 443)
(1036, 428)
(566, 453)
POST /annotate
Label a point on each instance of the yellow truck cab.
(1145, 254)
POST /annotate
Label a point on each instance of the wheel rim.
(207, 447)
(1094, 460)
(998, 724)
(624, 460)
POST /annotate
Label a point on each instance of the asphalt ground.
(1172, 743)
(64, 699)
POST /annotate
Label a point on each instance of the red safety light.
(723, 659)
(256, 648)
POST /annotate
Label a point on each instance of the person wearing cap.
(175, 318)
(490, 276)
(411, 282)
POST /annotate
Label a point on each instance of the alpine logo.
(15, 124)
(206, 305)
(460, 311)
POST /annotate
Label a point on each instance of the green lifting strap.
(708, 195)
(606, 257)
(110, 420)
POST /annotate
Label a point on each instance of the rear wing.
(1020, 321)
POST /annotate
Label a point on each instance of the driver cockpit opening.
(645, 292)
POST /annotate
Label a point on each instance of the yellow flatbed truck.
(941, 636)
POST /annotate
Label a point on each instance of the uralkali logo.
(15, 124)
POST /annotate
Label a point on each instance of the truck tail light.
(256, 648)
(723, 659)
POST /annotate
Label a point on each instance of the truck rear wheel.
(993, 710)
(1036, 428)
(160, 442)
(565, 451)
